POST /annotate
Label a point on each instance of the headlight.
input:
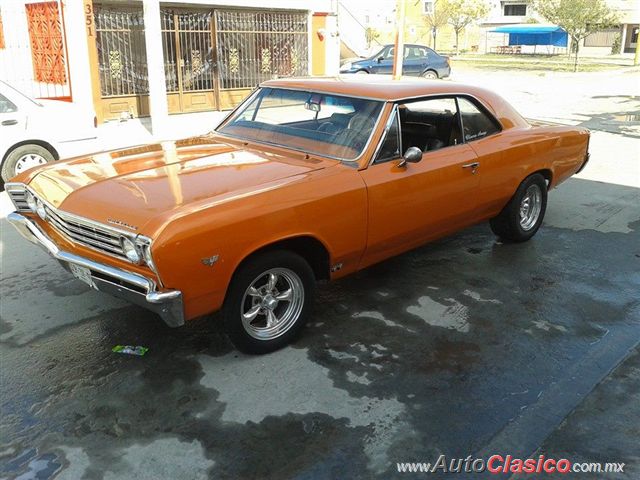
(130, 250)
(40, 210)
(31, 201)
(347, 66)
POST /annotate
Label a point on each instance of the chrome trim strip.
(392, 116)
(454, 94)
(314, 90)
(167, 304)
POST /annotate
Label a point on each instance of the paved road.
(463, 347)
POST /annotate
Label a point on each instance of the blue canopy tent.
(535, 34)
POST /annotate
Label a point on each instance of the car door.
(415, 60)
(410, 205)
(499, 177)
(383, 63)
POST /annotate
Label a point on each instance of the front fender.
(200, 250)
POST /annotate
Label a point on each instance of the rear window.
(476, 123)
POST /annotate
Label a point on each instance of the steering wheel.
(328, 127)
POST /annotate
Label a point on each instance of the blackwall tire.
(521, 218)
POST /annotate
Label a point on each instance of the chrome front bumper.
(115, 281)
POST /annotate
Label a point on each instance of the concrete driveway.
(463, 347)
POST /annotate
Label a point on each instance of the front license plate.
(83, 274)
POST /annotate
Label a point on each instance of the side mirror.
(380, 59)
(412, 155)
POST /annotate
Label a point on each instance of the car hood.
(127, 188)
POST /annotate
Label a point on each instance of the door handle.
(473, 166)
(6, 123)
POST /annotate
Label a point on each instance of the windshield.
(317, 123)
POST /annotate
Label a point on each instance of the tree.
(437, 18)
(579, 18)
(464, 12)
(371, 35)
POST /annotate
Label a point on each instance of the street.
(466, 346)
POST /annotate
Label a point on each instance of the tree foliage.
(437, 18)
(371, 35)
(462, 13)
(579, 18)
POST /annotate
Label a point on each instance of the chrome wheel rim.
(28, 161)
(272, 303)
(430, 75)
(530, 207)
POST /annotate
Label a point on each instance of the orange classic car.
(308, 179)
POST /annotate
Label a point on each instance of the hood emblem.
(121, 224)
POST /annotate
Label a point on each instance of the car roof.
(384, 88)
(375, 87)
(408, 45)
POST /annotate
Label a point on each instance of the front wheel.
(268, 301)
(522, 217)
(24, 158)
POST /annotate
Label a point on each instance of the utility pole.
(398, 55)
(636, 60)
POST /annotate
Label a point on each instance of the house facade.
(355, 18)
(141, 58)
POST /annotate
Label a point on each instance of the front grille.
(83, 232)
(19, 199)
(86, 234)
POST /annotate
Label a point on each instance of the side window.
(475, 122)
(390, 148)
(6, 105)
(388, 55)
(430, 124)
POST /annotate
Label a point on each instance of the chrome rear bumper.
(115, 281)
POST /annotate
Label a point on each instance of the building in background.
(626, 33)
(108, 55)
(360, 21)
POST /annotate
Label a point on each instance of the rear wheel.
(521, 218)
(268, 301)
(24, 158)
(430, 74)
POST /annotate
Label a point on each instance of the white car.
(33, 132)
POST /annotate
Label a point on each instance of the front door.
(410, 205)
(189, 59)
(383, 63)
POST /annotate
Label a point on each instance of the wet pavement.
(463, 347)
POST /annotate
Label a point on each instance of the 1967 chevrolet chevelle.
(308, 179)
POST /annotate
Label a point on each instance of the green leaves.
(579, 18)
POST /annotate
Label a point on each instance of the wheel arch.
(307, 246)
(547, 174)
(430, 69)
(41, 143)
